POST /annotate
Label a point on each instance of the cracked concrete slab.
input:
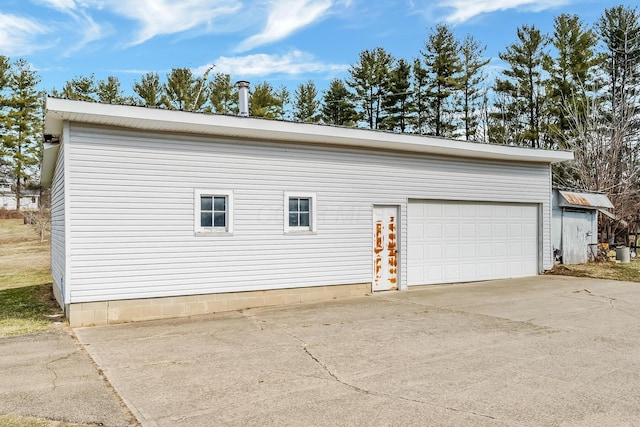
(536, 351)
(49, 375)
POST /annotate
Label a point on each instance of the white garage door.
(465, 241)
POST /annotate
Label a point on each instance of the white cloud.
(83, 26)
(159, 17)
(88, 29)
(62, 5)
(293, 63)
(19, 36)
(286, 17)
(463, 10)
(155, 17)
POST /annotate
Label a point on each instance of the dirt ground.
(610, 270)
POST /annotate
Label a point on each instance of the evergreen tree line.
(21, 125)
(444, 91)
(574, 89)
(180, 90)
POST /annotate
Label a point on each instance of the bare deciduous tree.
(606, 158)
(40, 220)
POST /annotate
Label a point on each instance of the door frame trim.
(398, 208)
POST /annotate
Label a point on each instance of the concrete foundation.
(123, 311)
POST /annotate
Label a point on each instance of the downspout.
(562, 235)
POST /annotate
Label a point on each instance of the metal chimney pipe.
(243, 98)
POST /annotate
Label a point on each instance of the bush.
(13, 214)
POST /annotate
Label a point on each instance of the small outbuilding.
(30, 199)
(159, 213)
(575, 224)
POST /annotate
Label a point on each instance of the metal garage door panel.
(462, 241)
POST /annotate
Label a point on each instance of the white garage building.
(160, 213)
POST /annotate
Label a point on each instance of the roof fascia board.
(153, 119)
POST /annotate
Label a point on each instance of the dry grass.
(24, 261)
(26, 300)
(17, 421)
(629, 272)
(7, 214)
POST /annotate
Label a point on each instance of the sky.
(283, 42)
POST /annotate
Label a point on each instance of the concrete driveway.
(533, 352)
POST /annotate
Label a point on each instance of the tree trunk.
(18, 193)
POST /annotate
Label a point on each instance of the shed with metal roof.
(575, 224)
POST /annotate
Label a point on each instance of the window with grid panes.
(299, 211)
(213, 212)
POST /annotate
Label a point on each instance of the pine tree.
(149, 90)
(82, 88)
(397, 102)
(305, 102)
(443, 68)
(5, 75)
(503, 119)
(223, 96)
(369, 78)
(184, 91)
(5, 72)
(109, 91)
(265, 102)
(472, 64)
(419, 98)
(284, 99)
(571, 75)
(22, 125)
(524, 83)
(337, 105)
(619, 30)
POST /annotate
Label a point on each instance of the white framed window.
(299, 212)
(213, 212)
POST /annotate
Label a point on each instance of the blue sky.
(280, 41)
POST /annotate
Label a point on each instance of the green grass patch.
(27, 309)
(27, 304)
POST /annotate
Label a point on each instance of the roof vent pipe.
(243, 98)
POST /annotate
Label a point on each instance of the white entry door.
(385, 248)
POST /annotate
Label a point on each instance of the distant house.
(159, 213)
(575, 224)
(30, 199)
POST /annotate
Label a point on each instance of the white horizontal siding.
(57, 224)
(131, 210)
